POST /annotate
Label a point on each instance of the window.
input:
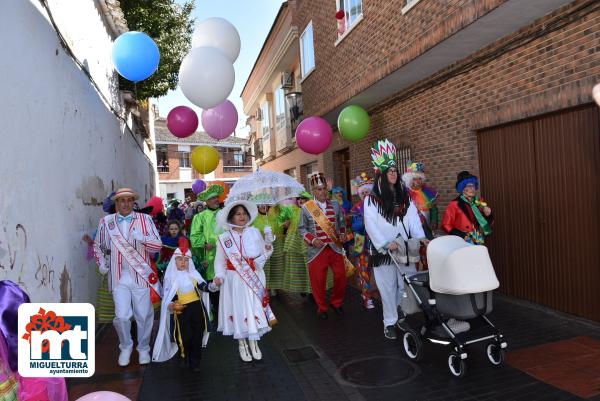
(279, 109)
(403, 156)
(307, 50)
(291, 172)
(266, 129)
(238, 158)
(352, 11)
(184, 159)
(162, 158)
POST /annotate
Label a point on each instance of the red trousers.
(317, 271)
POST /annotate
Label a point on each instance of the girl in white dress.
(244, 310)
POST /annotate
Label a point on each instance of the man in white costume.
(131, 238)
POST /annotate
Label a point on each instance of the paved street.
(343, 358)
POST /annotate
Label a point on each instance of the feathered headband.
(383, 155)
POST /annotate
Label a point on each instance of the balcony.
(235, 165)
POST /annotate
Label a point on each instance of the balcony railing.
(231, 165)
(163, 169)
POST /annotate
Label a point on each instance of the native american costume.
(386, 221)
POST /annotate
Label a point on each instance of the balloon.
(225, 192)
(596, 94)
(218, 33)
(220, 122)
(182, 121)
(353, 123)
(103, 396)
(198, 186)
(206, 77)
(314, 135)
(205, 159)
(135, 56)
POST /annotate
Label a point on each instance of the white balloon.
(206, 77)
(596, 94)
(219, 33)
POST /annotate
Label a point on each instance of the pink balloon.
(103, 396)
(314, 135)
(220, 121)
(182, 121)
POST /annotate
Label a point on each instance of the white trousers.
(391, 287)
(132, 300)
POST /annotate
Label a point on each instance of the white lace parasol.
(265, 187)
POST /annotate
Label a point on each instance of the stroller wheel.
(457, 366)
(495, 354)
(413, 346)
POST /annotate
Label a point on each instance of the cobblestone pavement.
(347, 358)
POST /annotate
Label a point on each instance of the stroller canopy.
(457, 267)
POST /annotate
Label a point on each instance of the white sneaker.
(124, 357)
(458, 326)
(144, 357)
(244, 351)
(256, 354)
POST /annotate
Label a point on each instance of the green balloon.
(354, 123)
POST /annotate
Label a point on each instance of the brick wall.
(438, 117)
(381, 43)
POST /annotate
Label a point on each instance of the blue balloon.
(135, 56)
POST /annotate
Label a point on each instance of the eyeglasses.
(392, 171)
(471, 186)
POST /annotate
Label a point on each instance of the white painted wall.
(62, 149)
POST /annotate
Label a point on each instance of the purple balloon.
(314, 135)
(198, 186)
(220, 121)
(182, 121)
(103, 396)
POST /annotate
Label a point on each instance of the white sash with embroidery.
(248, 275)
(131, 255)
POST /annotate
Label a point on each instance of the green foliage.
(171, 27)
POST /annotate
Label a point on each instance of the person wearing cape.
(186, 300)
(244, 310)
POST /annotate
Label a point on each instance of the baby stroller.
(458, 285)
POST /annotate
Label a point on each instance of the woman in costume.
(360, 250)
(295, 277)
(468, 216)
(391, 220)
(244, 310)
(186, 299)
(268, 216)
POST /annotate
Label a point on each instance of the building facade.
(71, 137)
(175, 171)
(501, 88)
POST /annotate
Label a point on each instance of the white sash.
(131, 255)
(248, 275)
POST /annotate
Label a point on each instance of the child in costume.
(170, 242)
(186, 299)
(360, 250)
(244, 310)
